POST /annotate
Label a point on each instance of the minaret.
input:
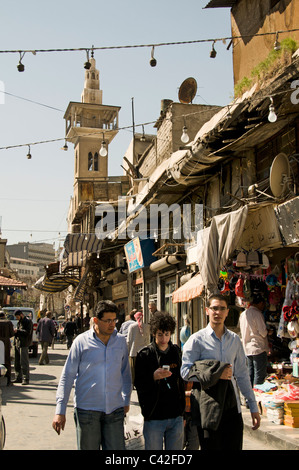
(90, 126)
(91, 92)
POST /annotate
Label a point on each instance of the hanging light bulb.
(20, 66)
(29, 156)
(153, 61)
(276, 44)
(184, 136)
(65, 147)
(103, 149)
(142, 138)
(213, 53)
(87, 64)
(272, 116)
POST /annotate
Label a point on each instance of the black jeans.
(229, 435)
(22, 362)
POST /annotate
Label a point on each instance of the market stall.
(276, 277)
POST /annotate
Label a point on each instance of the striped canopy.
(56, 283)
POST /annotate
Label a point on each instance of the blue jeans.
(257, 366)
(96, 429)
(171, 431)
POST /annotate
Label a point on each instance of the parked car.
(30, 313)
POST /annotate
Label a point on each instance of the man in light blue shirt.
(98, 364)
(126, 325)
(216, 342)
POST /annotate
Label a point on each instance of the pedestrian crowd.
(188, 394)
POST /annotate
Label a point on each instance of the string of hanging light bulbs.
(272, 117)
(153, 60)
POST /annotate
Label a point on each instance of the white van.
(27, 312)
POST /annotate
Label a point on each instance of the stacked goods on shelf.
(291, 414)
(274, 409)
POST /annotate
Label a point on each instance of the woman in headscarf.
(138, 337)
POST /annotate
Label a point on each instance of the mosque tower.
(90, 126)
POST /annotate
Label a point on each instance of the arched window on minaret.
(90, 162)
(96, 162)
(93, 162)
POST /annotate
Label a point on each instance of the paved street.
(28, 410)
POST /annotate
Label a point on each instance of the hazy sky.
(35, 194)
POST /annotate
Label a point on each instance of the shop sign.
(261, 230)
(287, 215)
(139, 253)
(120, 290)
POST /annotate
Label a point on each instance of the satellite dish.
(188, 90)
(279, 175)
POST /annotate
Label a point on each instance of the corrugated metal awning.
(191, 289)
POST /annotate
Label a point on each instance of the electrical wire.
(142, 124)
(31, 101)
(132, 46)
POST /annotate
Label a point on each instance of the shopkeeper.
(255, 339)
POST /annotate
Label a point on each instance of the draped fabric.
(220, 241)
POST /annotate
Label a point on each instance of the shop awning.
(81, 287)
(57, 283)
(12, 283)
(77, 248)
(191, 289)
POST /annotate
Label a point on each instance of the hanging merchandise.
(247, 288)
(225, 289)
(232, 283)
(221, 283)
(239, 287)
(293, 329)
(253, 258)
(241, 261)
(275, 298)
(265, 261)
(291, 312)
(271, 280)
